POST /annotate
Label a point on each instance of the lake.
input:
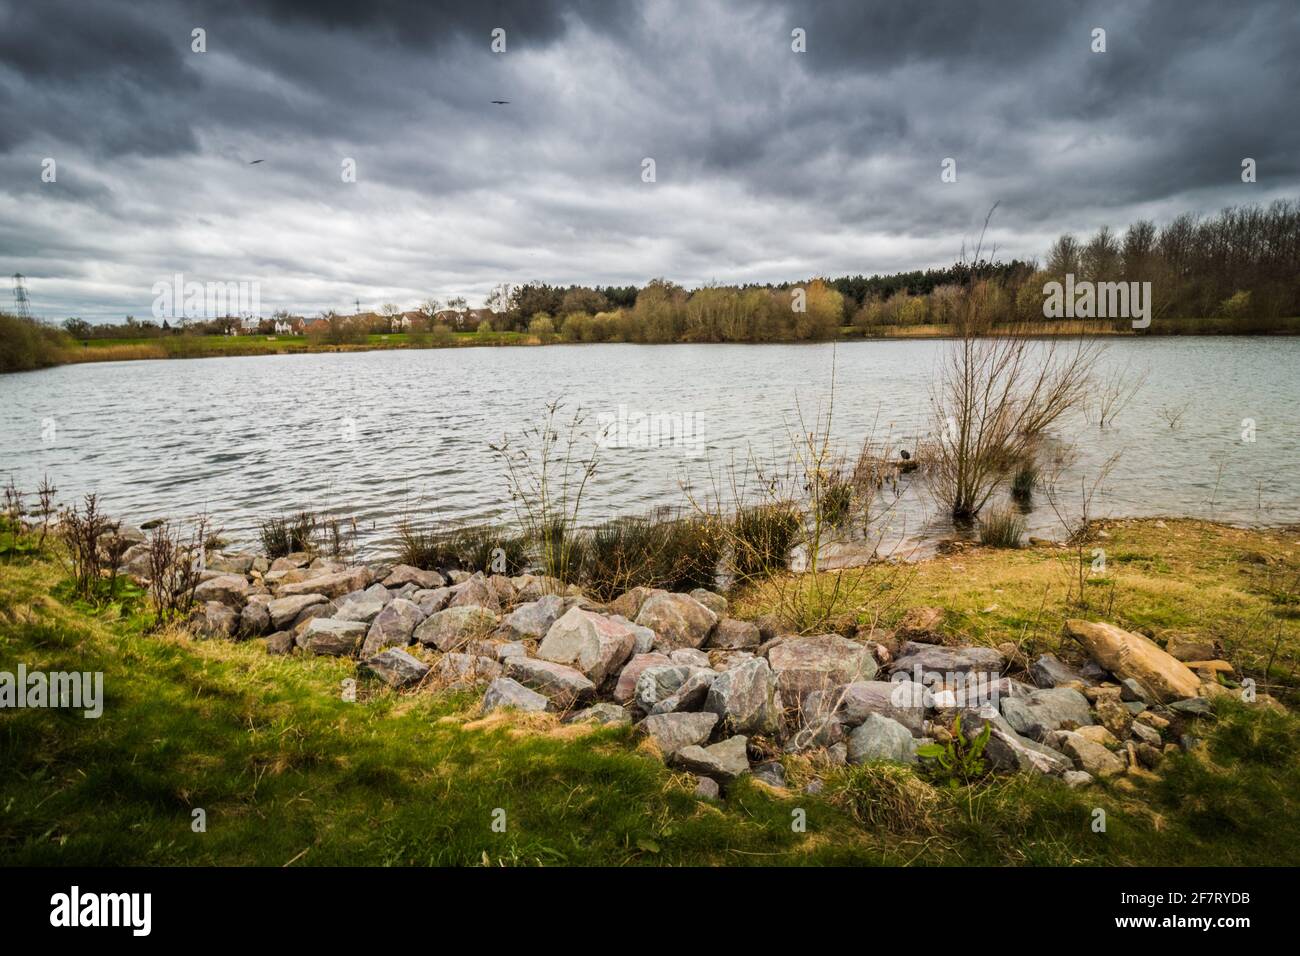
(378, 435)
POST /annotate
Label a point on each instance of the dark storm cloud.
(771, 165)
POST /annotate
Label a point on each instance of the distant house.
(462, 320)
(317, 326)
(289, 326)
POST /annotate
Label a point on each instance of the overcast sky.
(770, 164)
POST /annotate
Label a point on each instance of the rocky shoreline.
(722, 697)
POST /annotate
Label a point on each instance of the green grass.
(288, 771)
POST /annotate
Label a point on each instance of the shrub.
(174, 568)
(27, 344)
(285, 535)
(1001, 528)
(84, 536)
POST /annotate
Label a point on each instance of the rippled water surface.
(376, 435)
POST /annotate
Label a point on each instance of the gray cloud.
(771, 165)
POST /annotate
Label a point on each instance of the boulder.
(628, 604)
(254, 619)
(678, 620)
(1050, 671)
(464, 670)
(690, 695)
(228, 589)
(563, 685)
(1125, 654)
(689, 655)
(706, 788)
(745, 698)
(625, 689)
(214, 619)
(594, 644)
(672, 732)
(332, 584)
(880, 738)
(431, 602)
(915, 660)
(239, 564)
(1006, 749)
(331, 637)
(280, 643)
(395, 667)
(902, 701)
(361, 606)
(659, 682)
(805, 664)
(474, 592)
(505, 692)
(1046, 710)
(284, 611)
(712, 600)
(732, 634)
(405, 574)
(531, 621)
(449, 629)
(722, 761)
(393, 627)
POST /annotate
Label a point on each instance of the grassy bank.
(287, 771)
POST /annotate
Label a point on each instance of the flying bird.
(256, 161)
(500, 102)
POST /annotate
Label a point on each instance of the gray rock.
(712, 600)
(464, 670)
(405, 574)
(771, 773)
(395, 667)
(280, 643)
(690, 695)
(1145, 734)
(510, 649)
(644, 637)
(1006, 749)
(284, 611)
(1193, 706)
(594, 644)
(601, 714)
(659, 682)
(1090, 757)
(332, 584)
(806, 664)
(625, 689)
(239, 564)
(1133, 692)
(1050, 671)
(1074, 779)
(449, 629)
(902, 701)
(533, 620)
(562, 684)
(914, 659)
(722, 761)
(880, 738)
(214, 619)
(672, 732)
(505, 692)
(1046, 710)
(706, 788)
(678, 620)
(431, 602)
(689, 656)
(331, 637)
(474, 592)
(228, 589)
(393, 627)
(745, 699)
(731, 634)
(254, 619)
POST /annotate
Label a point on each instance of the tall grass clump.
(1001, 528)
(1023, 480)
(476, 547)
(287, 534)
(547, 468)
(762, 537)
(659, 550)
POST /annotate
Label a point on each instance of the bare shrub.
(83, 534)
(175, 568)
